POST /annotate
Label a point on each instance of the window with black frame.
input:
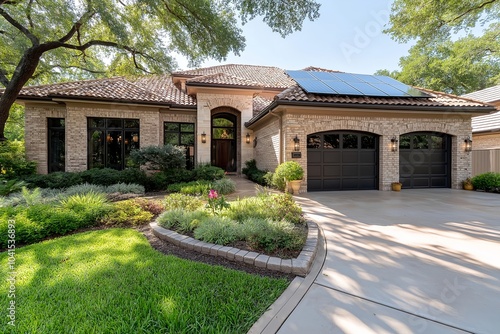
(181, 134)
(110, 141)
(56, 144)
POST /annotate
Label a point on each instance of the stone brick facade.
(486, 141)
(302, 122)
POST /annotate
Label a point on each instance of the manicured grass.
(112, 281)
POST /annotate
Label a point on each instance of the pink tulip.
(212, 194)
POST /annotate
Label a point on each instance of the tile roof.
(264, 76)
(223, 79)
(260, 103)
(491, 94)
(163, 85)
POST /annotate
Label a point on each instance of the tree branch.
(471, 10)
(76, 26)
(3, 77)
(28, 14)
(34, 40)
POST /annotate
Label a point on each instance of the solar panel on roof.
(353, 84)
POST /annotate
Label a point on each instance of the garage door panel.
(332, 171)
(424, 160)
(343, 160)
(332, 157)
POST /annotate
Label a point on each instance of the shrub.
(208, 173)
(155, 207)
(56, 180)
(488, 181)
(133, 175)
(219, 230)
(269, 235)
(13, 161)
(126, 188)
(84, 189)
(10, 186)
(287, 171)
(178, 175)
(182, 221)
(182, 201)
(128, 212)
(253, 173)
(100, 176)
(91, 204)
(197, 188)
(160, 157)
(224, 186)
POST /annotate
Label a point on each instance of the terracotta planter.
(295, 185)
(468, 186)
(396, 186)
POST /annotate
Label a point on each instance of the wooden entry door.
(224, 141)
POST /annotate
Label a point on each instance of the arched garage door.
(424, 160)
(342, 160)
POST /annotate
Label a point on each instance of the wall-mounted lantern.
(247, 138)
(394, 144)
(203, 137)
(296, 145)
(468, 144)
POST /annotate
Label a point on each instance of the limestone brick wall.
(486, 141)
(305, 122)
(267, 151)
(206, 103)
(36, 135)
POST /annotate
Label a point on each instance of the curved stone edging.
(299, 266)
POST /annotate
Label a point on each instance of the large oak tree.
(43, 38)
(457, 46)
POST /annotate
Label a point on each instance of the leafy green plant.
(224, 186)
(191, 188)
(13, 161)
(488, 181)
(153, 206)
(287, 171)
(182, 201)
(126, 188)
(216, 202)
(182, 221)
(128, 212)
(100, 176)
(10, 186)
(84, 189)
(219, 230)
(160, 157)
(208, 172)
(270, 235)
(254, 174)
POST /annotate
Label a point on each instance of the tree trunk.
(24, 71)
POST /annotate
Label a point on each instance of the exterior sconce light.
(247, 138)
(468, 144)
(296, 145)
(203, 137)
(394, 144)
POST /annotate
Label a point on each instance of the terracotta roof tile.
(223, 79)
(259, 104)
(163, 85)
(264, 76)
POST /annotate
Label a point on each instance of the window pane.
(132, 123)
(331, 141)
(223, 133)
(97, 122)
(437, 142)
(222, 122)
(114, 142)
(96, 149)
(114, 123)
(420, 142)
(368, 142)
(350, 141)
(188, 127)
(56, 122)
(404, 142)
(171, 127)
(187, 139)
(172, 138)
(313, 141)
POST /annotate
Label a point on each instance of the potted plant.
(467, 184)
(396, 186)
(292, 173)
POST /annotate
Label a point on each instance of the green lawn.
(112, 281)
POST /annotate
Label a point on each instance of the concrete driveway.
(418, 261)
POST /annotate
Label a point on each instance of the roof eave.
(249, 87)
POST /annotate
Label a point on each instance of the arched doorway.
(224, 134)
(342, 160)
(425, 160)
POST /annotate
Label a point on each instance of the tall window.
(56, 145)
(110, 141)
(181, 134)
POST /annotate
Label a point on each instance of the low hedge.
(488, 182)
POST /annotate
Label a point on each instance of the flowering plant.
(216, 202)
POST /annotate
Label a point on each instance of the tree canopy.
(457, 46)
(40, 40)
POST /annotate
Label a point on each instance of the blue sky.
(347, 37)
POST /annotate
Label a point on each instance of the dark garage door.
(424, 160)
(342, 161)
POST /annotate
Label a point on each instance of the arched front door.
(224, 141)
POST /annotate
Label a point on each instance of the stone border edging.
(299, 266)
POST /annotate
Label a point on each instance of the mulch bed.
(171, 249)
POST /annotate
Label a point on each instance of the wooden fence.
(485, 161)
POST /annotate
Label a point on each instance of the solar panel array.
(353, 84)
